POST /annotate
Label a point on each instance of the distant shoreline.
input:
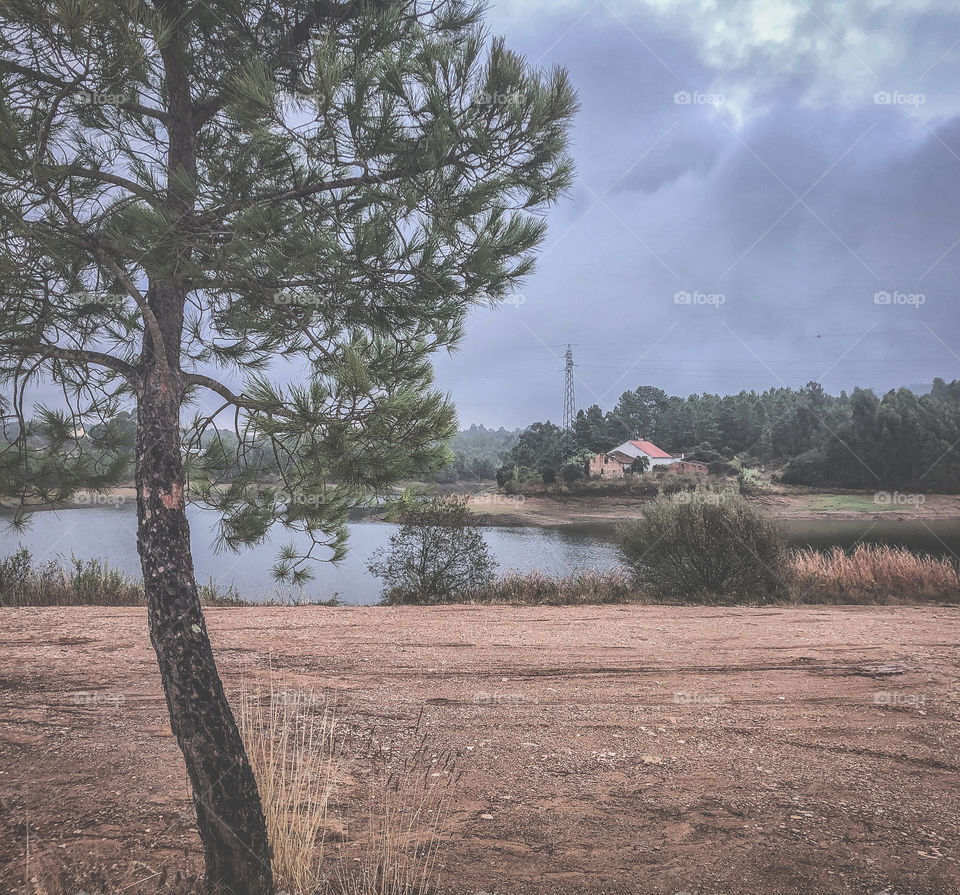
(558, 510)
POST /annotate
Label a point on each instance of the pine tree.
(192, 191)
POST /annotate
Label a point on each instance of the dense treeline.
(56, 445)
(477, 453)
(899, 441)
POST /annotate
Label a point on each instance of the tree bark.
(229, 813)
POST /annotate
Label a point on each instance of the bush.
(438, 556)
(582, 588)
(549, 476)
(81, 583)
(720, 467)
(809, 468)
(701, 545)
(572, 472)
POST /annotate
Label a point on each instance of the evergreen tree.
(190, 191)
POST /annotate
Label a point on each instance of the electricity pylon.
(569, 401)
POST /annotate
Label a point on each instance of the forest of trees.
(478, 452)
(859, 440)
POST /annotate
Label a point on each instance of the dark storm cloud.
(786, 198)
(781, 210)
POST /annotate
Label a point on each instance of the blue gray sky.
(768, 193)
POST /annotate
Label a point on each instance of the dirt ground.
(602, 750)
(502, 509)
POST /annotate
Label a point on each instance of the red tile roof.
(651, 450)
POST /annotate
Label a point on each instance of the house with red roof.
(616, 463)
(640, 448)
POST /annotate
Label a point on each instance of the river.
(109, 533)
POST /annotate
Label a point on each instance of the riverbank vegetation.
(869, 574)
(92, 582)
(690, 546)
(901, 440)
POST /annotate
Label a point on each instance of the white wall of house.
(631, 450)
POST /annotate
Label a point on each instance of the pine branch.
(87, 356)
(225, 392)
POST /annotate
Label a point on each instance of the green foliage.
(438, 555)
(900, 441)
(351, 187)
(48, 458)
(80, 583)
(699, 545)
(640, 465)
(477, 453)
(572, 472)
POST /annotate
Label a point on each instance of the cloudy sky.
(768, 193)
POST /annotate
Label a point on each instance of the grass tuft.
(397, 798)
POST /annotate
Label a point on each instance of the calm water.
(110, 533)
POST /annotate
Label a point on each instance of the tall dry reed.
(872, 574)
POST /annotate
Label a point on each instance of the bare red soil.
(603, 750)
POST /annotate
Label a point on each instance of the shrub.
(639, 465)
(438, 555)
(572, 472)
(720, 467)
(82, 583)
(809, 468)
(702, 545)
(549, 475)
(581, 588)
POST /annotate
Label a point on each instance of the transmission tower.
(569, 401)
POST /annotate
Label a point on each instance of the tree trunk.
(229, 813)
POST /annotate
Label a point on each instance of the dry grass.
(292, 742)
(869, 574)
(93, 583)
(406, 804)
(90, 583)
(302, 769)
(872, 574)
(579, 589)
